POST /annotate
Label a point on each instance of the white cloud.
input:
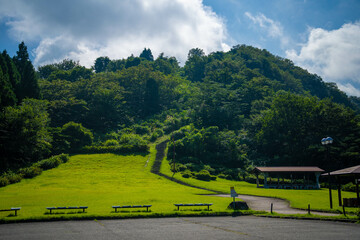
(86, 29)
(334, 55)
(273, 28)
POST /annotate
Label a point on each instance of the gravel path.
(254, 202)
(279, 205)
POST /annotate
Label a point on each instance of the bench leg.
(147, 209)
(178, 208)
(208, 208)
(15, 212)
(115, 209)
(83, 209)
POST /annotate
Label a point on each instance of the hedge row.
(116, 149)
(34, 170)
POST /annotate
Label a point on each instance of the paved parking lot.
(243, 227)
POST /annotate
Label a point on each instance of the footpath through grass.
(100, 181)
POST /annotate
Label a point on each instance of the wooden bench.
(132, 206)
(66, 208)
(178, 205)
(15, 209)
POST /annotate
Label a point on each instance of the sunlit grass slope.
(100, 181)
(318, 199)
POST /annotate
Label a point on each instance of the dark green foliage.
(203, 175)
(121, 149)
(210, 146)
(25, 137)
(29, 87)
(223, 111)
(147, 54)
(195, 65)
(9, 81)
(101, 64)
(30, 172)
(52, 162)
(293, 137)
(77, 136)
(12, 177)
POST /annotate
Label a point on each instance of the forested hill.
(224, 112)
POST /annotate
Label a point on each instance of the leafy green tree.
(294, 125)
(24, 134)
(101, 64)
(76, 135)
(195, 65)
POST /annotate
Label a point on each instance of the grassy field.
(318, 199)
(100, 181)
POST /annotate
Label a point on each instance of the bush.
(350, 187)
(212, 177)
(30, 172)
(111, 142)
(4, 181)
(12, 177)
(187, 174)
(115, 149)
(132, 139)
(156, 134)
(52, 162)
(141, 130)
(221, 175)
(210, 169)
(64, 157)
(203, 175)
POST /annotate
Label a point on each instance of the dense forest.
(223, 112)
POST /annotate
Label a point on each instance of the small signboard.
(232, 192)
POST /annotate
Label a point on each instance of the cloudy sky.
(322, 36)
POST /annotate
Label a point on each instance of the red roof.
(288, 169)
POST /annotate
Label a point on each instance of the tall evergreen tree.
(146, 53)
(29, 87)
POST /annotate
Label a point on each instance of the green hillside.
(225, 112)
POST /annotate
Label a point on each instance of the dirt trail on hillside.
(254, 202)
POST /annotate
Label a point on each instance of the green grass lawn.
(100, 181)
(318, 199)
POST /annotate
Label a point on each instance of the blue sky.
(321, 36)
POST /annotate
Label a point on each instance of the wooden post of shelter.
(339, 191)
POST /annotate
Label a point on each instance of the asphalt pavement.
(242, 227)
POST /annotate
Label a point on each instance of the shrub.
(221, 175)
(203, 175)
(52, 162)
(111, 142)
(156, 134)
(30, 172)
(187, 174)
(213, 177)
(350, 187)
(210, 169)
(132, 139)
(141, 130)
(64, 157)
(12, 177)
(115, 149)
(4, 181)
(181, 167)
